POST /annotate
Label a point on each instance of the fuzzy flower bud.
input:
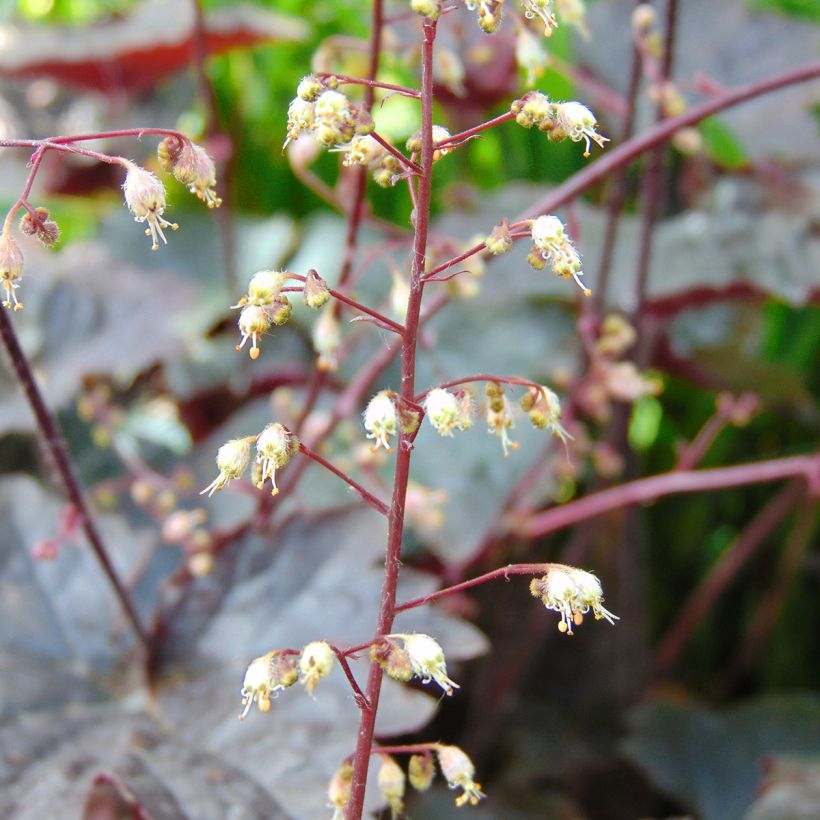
(572, 593)
(253, 322)
(466, 409)
(381, 420)
(327, 337)
(499, 241)
(426, 659)
(543, 10)
(392, 783)
(264, 287)
(420, 771)
(232, 460)
(393, 660)
(265, 676)
(309, 88)
(301, 117)
(315, 663)
(440, 134)
(544, 410)
(280, 312)
(38, 225)
(11, 269)
(550, 238)
(578, 123)
(338, 790)
(315, 292)
(441, 408)
(190, 165)
(427, 8)
(274, 449)
(531, 109)
(335, 118)
(145, 198)
(459, 772)
(499, 416)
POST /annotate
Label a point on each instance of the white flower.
(549, 236)
(264, 287)
(11, 269)
(266, 675)
(253, 321)
(145, 197)
(427, 659)
(381, 419)
(315, 663)
(579, 123)
(326, 338)
(459, 772)
(442, 410)
(232, 459)
(274, 449)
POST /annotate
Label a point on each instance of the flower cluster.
(190, 165)
(552, 245)
(572, 593)
(279, 669)
(407, 655)
(275, 447)
(263, 306)
(559, 120)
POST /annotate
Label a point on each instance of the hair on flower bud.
(427, 8)
(38, 225)
(440, 134)
(274, 449)
(335, 119)
(327, 336)
(499, 416)
(571, 592)
(253, 322)
(426, 659)
(393, 659)
(191, 166)
(578, 123)
(232, 460)
(458, 771)
(11, 269)
(421, 770)
(532, 109)
(499, 241)
(543, 10)
(441, 408)
(338, 790)
(381, 419)
(315, 292)
(466, 408)
(408, 415)
(315, 663)
(145, 198)
(309, 88)
(550, 239)
(280, 311)
(264, 288)
(266, 676)
(392, 783)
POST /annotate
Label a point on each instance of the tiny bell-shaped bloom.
(393, 659)
(381, 420)
(190, 165)
(544, 410)
(441, 408)
(253, 322)
(571, 592)
(466, 409)
(280, 311)
(578, 123)
(459, 772)
(551, 239)
(145, 198)
(543, 10)
(232, 460)
(392, 783)
(315, 663)
(266, 676)
(338, 790)
(11, 269)
(264, 287)
(315, 292)
(38, 225)
(427, 8)
(499, 241)
(327, 336)
(274, 449)
(427, 659)
(421, 770)
(309, 88)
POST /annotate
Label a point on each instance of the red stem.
(463, 136)
(370, 84)
(654, 487)
(387, 603)
(405, 161)
(481, 377)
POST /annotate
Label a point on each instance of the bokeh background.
(702, 701)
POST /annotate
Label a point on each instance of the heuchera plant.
(323, 114)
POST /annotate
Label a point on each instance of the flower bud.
(267, 675)
(338, 791)
(391, 781)
(426, 659)
(315, 663)
(381, 420)
(11, 269)
(38, 225)
(264, 287)
(393, 660)
(190, 165)
(280, 312)
(572, 593)
(427, 8)
(499, 241)
(145, 198)
(301, 117)
(553, 245)
(315, 292)
(309, 88)
(420, 771)
(274, 449)
(532, 109)
(459, 772)
(441, 408)
(232, 460)
(253, 322)
(326, 339)
(544, 410)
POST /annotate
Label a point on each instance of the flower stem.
(387, 603)
(56, 445)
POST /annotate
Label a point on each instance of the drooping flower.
(571, 592)
(191, 166)
(265, 676)
(543, 10)
(421, 770)
(392, 782)
(441, 408)
(315, 663)
(232, 460)
(459, 772)
(499, 416)
(551, 240)
(253, 322)
(11, 269)
(145, 198)
(579, 124)
(426, 659)
(544, 410)
(338, 790)
(274, 449)
(381, 419)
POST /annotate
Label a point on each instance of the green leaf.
(723, 145)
